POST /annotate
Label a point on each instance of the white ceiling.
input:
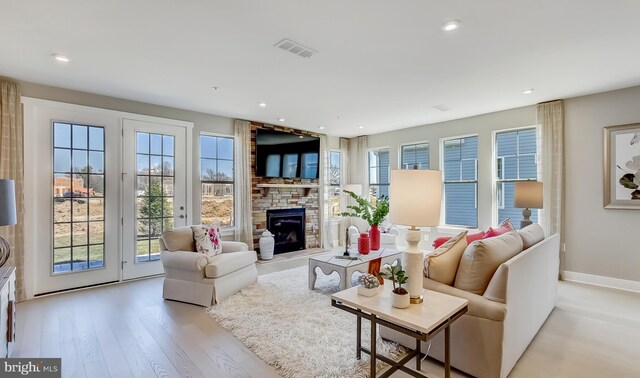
(381, 64)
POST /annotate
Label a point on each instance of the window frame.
(369, 166)
(225, 229)
(443, 215)
(417, 143)
(496, 181)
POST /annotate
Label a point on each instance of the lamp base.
(526, 213)
(418, 300)
(413, 265)
(5, 251)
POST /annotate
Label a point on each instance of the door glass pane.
(154, 192)
(78, 197)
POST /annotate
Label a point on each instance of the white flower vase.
(267, 244)
(368, 292)
(400, 300)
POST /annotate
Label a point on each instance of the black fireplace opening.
(287, 227)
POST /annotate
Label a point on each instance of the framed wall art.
(622, 167)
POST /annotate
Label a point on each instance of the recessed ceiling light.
(281, 119)
(361, 127)
(528, 91)
(451, 25)
(262, 104)
(300, 137)
(61, 58)
(321, 127)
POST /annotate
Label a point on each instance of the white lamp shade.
(7, 202)
(528, 194)
(415, 197)
(355, 188)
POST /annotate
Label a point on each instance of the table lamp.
(415, 199)
(7, 214)
(527, 195)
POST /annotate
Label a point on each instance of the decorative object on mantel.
(7, 214)
(622, 167)
(527, 195)
(374, 215)
(368, 285)
(400, 297)
(363, 244)
(416, 198)
(267, 244)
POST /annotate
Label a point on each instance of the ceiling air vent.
(295, 48)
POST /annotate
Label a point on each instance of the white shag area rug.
(296, 330)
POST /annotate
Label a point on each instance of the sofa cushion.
(221, 265)
(531, 235)
(179, 239)
(482, 258)
(478, 305)
(497, 288)
(442, 264)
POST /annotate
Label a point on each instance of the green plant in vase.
(372, 214)
(400, 295)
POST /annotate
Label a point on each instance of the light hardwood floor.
(128, 330)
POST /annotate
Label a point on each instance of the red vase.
(363, 244)
(374, 236)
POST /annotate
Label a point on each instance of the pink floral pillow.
(207, 239)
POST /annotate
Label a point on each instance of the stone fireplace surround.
(285, 194)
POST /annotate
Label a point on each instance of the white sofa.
(490, 338)
(193, 277)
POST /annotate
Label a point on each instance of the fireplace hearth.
(288, 228)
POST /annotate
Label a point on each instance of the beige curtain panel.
(551, 120)
(242, 173)
(12, 168)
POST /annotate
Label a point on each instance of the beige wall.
(598, 241)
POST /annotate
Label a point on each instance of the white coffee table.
(330, 262)
(421, 321)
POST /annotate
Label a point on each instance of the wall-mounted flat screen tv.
(280, 154)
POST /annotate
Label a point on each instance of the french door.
(154, 192)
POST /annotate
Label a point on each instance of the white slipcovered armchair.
(193, 277)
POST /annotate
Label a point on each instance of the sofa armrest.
(233, 246)
(181, 260)
(479, 306)
(532, 286)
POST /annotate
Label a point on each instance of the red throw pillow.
(502, 228)
(440, 241)
(473, 237)
(470, 238)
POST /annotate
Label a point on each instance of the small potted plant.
(369, 285)
(373, 214)
(399, 295)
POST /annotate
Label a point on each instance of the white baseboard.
(591, 279)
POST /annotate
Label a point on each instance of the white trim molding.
(592, 279)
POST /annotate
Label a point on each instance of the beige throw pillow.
(442, 264)
(481, 259)
(531, 235)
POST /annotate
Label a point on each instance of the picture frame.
(622, 167)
